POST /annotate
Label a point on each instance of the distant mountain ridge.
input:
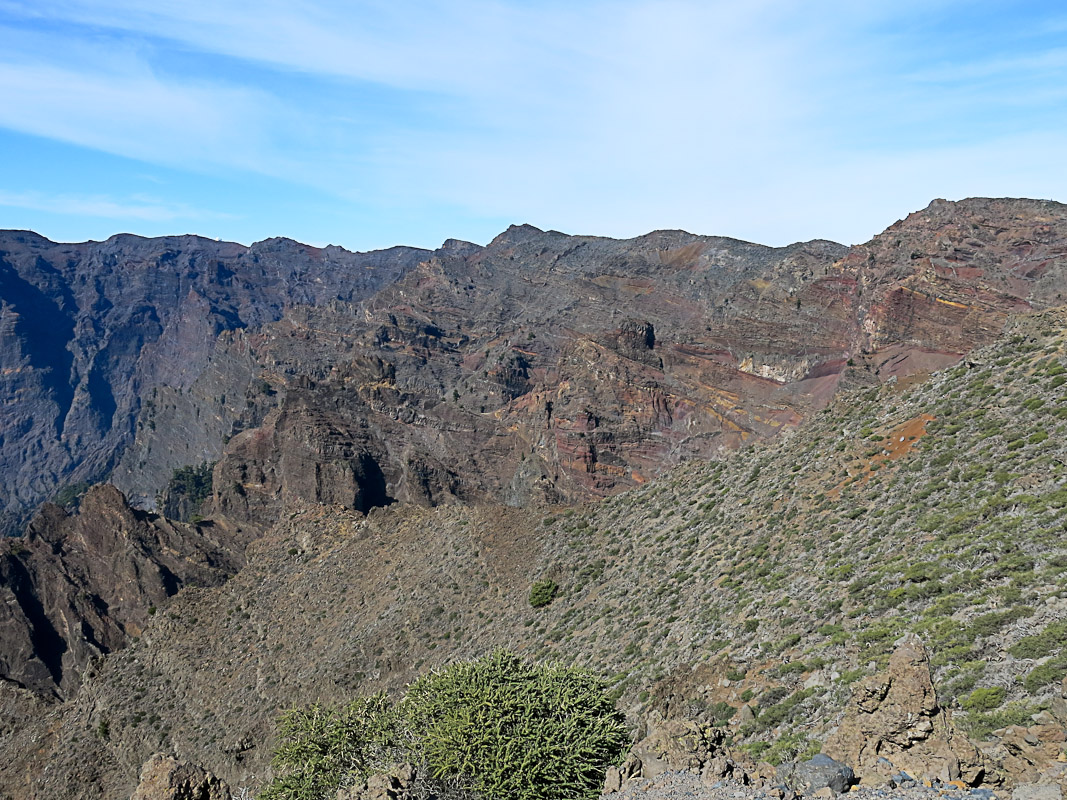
(574, 366)
(481, 393)
(87, 331)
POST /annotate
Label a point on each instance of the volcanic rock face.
(542, 368)
(88, 331)
(574, 367)
(943, 280)
(77, 587)
(571, 367)
(510, 372)
(166, 778)
(759, 582)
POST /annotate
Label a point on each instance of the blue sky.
(368, 124)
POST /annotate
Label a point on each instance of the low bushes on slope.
(497, 726)
(936, 509)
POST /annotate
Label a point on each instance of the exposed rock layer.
(571, 366)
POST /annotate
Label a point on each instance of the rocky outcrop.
(677, 745)
(91, 333)
(166, 778)
(76, 587)
(601, 361)
(1032, 755)
(818, 772)
(894, 724)
(576, 367)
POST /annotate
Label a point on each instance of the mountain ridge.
(399, 461)
(71, 414)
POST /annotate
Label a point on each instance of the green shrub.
(980, 726)
(786, 642)
(1051, 672)
(791, 747)
(542, 593)
(984, 699)
(774, 715)
(70, 496)
(722, 712)
(323, 748)
(193, 482)
(1048, 641)
(514, 731)
(497, 727)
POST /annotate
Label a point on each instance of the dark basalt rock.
(78, 587)
(91, 334)
(598, 361)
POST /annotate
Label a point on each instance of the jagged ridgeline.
(571, 367)
(751, 594)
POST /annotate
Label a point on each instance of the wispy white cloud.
(136, 114)
(397, 44)
(767, 119)
(141, 208)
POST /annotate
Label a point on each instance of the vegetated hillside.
(936, 509)
(774, 580)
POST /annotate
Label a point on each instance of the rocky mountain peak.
(401, 445)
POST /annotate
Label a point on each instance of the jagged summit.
(156, 347)
(378, 455)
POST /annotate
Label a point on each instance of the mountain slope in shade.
(89, 331)
(78, 587)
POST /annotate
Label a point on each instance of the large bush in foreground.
(323, 748)
(497, 727)
(515, 731)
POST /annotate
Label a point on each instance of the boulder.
(894, 722)
(164, 777)
(816, 773)
(677, 744)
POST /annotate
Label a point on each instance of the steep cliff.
(571, 366)
(78, 587)
(97, 337)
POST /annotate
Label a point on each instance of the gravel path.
(688, 786)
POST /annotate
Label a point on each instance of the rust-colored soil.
(896, 444)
